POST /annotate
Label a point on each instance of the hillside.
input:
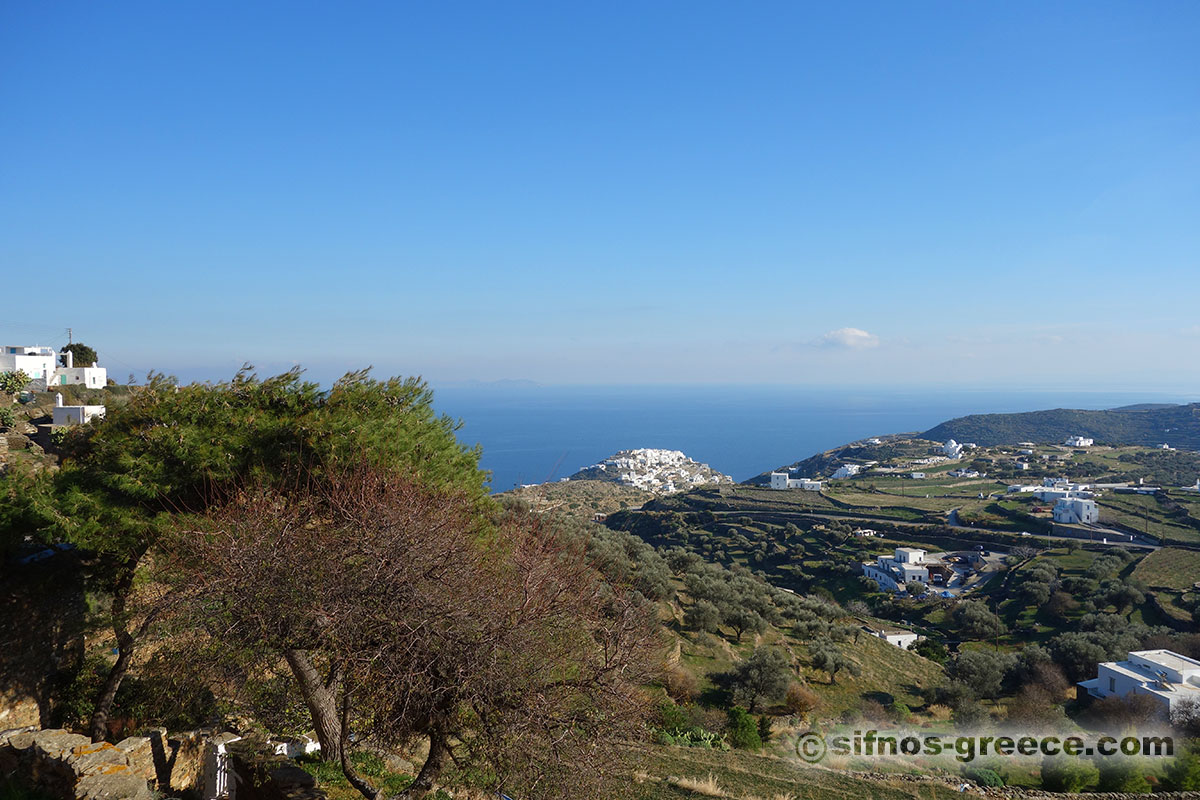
(1148, 425)
(581, 499)
(885, 450)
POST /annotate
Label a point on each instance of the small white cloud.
(853, 338)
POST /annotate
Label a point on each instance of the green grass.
(742, 775)
(1169, 568)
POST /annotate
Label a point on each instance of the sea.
(532, 433)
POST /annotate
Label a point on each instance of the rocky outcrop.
(658, 471)
(68, 765)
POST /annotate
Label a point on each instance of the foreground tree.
(404, 614)
(174, 449)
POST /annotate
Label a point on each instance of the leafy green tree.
(827, 657)
(81, 354)
(702, 616)
(764, 676)
(743, 620)
(7, 417)
(983, 670)
(176, 449)
(742, 730)
(976, 621)
(914, 588)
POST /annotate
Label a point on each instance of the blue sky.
(668, 192)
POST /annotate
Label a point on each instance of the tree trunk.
(98, 728)
(99, 722)
(321, 698)
(432, 768)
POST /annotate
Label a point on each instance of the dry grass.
(705, 786)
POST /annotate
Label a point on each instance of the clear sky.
(650, 192)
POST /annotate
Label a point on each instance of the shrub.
(984, 776)
(743, 731)
(681, 685)
(1067, 774)
(801, 700)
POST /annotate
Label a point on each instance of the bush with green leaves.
(984, 776)
(1068, 774)
(8, 417)
(13, 381)
(743, 730)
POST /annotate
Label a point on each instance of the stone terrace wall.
(68, 765)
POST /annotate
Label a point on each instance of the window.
(1112, 684)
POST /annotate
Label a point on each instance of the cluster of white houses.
(47, 368)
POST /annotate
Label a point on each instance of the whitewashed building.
(892, 572)
(1076, 511)
(1079, 441)
(782, 480)
(47, 368)
(846, 471)
(1162, 674)
(74, 415)
(917, 476)
(902, 639)
(952, 449)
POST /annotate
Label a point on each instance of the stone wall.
(68, 765)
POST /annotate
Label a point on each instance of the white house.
(1068, 492)
(902, 639)
(1162, 674)
(846, 471)
(47, 368)
(918, 476)
(892, 572)
(781, 480)
(74, 415)
(966, 473)
(1076, 511)
(952, 449)
(38, 363)
(1022, 465)
(1079, 441)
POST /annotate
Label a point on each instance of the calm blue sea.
(532, 434)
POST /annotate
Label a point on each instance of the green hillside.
(1178, 426)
